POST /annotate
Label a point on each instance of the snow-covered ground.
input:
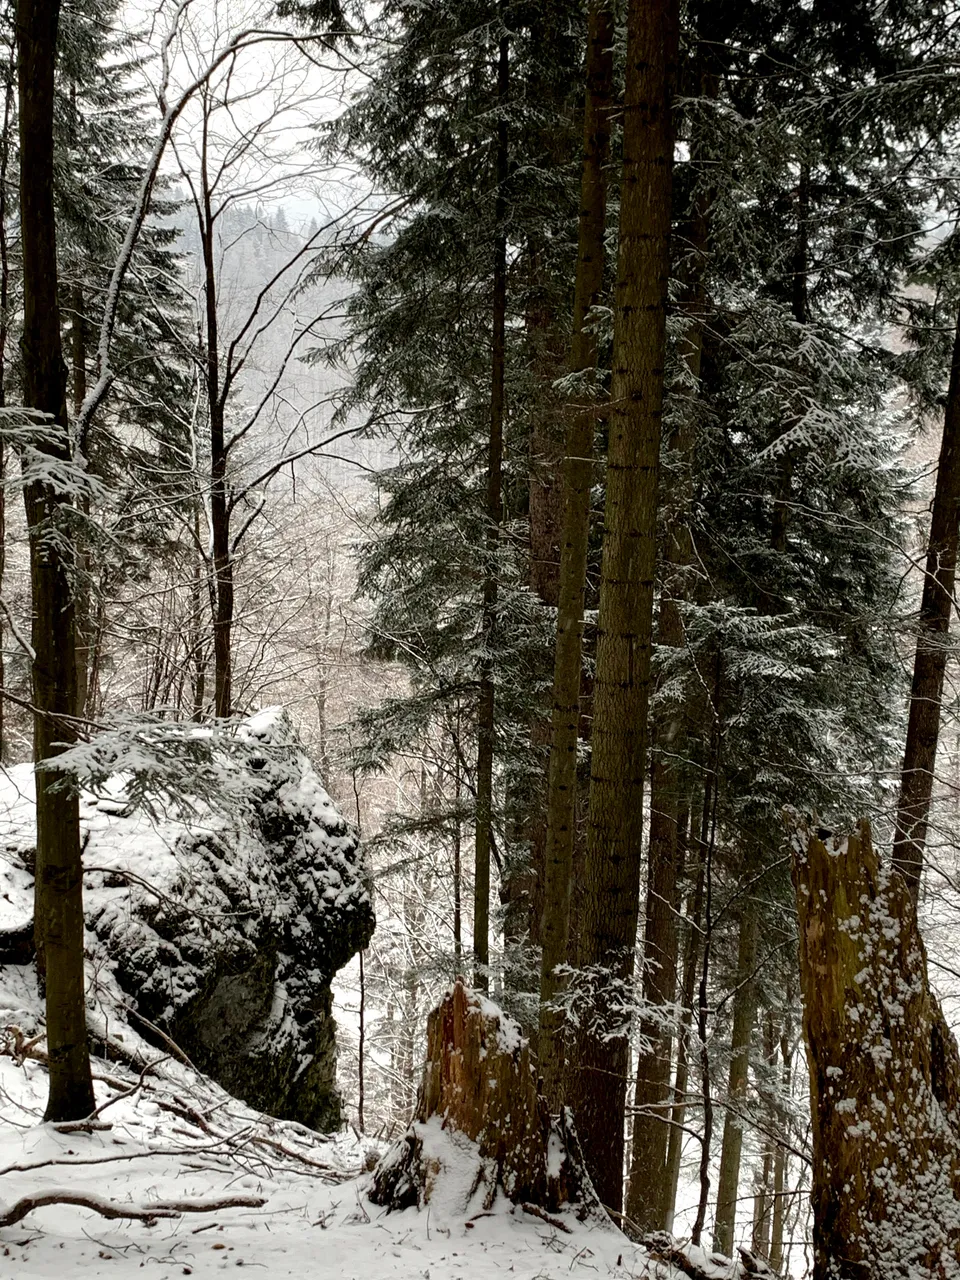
(178, 1138)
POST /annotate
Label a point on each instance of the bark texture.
(884, 1071)
(930, 661)
(59, 901)
(578, 474)
(625, 620)
(479, 1099)
(486, 709)
(744, 1014)
(649, 1171)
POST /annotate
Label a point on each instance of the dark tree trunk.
(625, 622)
(744, 1014)
(486, 711)
(649, 1177)
(936, 605)
(58, 898)
(562, 778)
(219, 498)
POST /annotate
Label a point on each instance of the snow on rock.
(222, 929)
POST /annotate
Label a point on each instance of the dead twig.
(542, 1214)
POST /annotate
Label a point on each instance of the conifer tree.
(625, 621)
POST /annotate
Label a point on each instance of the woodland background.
(361, 360)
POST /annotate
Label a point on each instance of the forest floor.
(177, 1137)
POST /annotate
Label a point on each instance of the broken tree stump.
(480, 1121)
(884, 1071)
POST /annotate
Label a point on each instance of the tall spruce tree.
(625, 620)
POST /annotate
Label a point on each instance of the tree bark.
(578, 471)
(936, 605)
(486, 710)
(884, 1071)
(762, 1201)
(679, 1111)
(9, 77)
(780, 1168)
(58, 894)
(649, 1179)
(78, 378)
(223, 592)
(744, 1014)
(625, 622)
(479, 1120)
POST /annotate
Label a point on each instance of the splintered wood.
(479, 1121)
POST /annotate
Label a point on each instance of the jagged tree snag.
(884, 1071)
(480, 1121)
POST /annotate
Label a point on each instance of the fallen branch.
(109, 1209)
(662, 1248)
(90, 1125)
(20, 1047)
(223, 1143)
(172, 1045)
(126, 1093)
(542, 1214)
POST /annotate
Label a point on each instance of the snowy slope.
(178, 1136)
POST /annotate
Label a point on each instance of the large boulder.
(219, 930)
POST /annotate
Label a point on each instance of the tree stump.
(884, 1071)
(480, 1121)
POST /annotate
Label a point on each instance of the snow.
(312, 1223)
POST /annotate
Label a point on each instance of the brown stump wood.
(481, 1120)
(884, 1071)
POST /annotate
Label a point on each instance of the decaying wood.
(884, 1071)
(480, 1118)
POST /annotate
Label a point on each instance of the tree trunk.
(486, 711)
(884, 1071)
(762, 1204)
(682, 1078)
(59, 893)
(744, 1014)
(8, 91)
(219, 501)
(780, 1165)
(936, 605)
(649, 1180)
(78, 378)
(625, 621)
(562, 777)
